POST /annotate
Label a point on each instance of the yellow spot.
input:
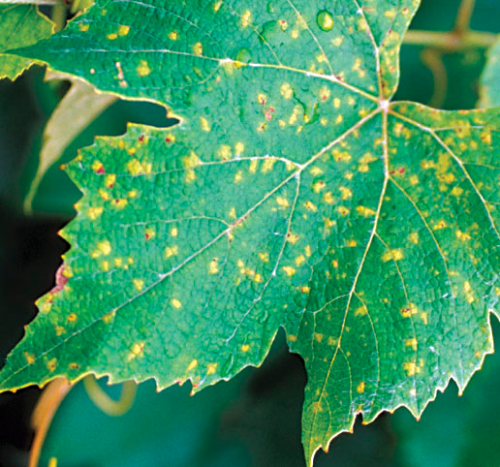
(413, 343)
(174, 35)
(253, 166)
(171, 251)
(328, 198)
(232, 213)
(411, 368)
(198, 49)
(339, 120)
(192, 365)
(310, 206)
(176, 303)
(390, 14)
(318, 337)
(289, 271)
(245, 348)
(123, 30)
(361, 311)
(286, 91)
(135, 351)
(366, 212)
(238, 177)
(352, 243)
(414, 238)
(292, 338)
(103, 248)
(343, 211)
(132, 194)
(224, 152)
(83, 27)
(52, 364)
(361, 387)
(393, 255)
(440, 225)
(424, 318)
(469, 294)
(105, 265)
(282, 202)
(264, 257)
(118, 262)
(174, 231)
(30, 358)
(318, 186)
(462, 236)
(457, 191)
(217, 6)
(138, 283)
(261, 98)
(120, 203)
(305, 289)
(143, 69)
(292, 238)
(316, 171)
(211, 368)
(308, 251)
(110, 180)
(239, 148)
(268, 165)
(112, 36)
(300, 260)
(337, 42)
(135, 167)
(213, 266)
(94, 213)
(335, 264)
(108, 317)
(246, 17)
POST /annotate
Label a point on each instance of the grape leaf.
(292, 194)
(490, 79)
(20, 25)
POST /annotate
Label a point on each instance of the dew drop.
(244, 56)
(269, 31)
(325, 20)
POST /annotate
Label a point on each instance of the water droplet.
(325, 20)
(244, 56)
(269, 31)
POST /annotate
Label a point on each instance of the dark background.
(254, 420)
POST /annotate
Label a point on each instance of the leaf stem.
(464, 16)
(105, 403)
(450, 41)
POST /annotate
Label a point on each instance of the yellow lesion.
(94, 212)
(171, 251)
(52, 364)
(137, 350)
(393, 255)
(361, 387)
(365, 212)
(176, 303)
(286, 91)
(213, 266)
(30, 358)
(138, 284)
(102, 248)
(413, 343)
(469, 293)
(282, 202)
(173, 35)
(411, 368)
(211, 368)
(192, 365)
(174, 231)
(246, 18)
(245, 348)
(123, 30)
(289, 270)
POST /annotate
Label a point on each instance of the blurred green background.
(254, 420)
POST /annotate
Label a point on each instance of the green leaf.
(20, 25)
(292, 194)
(490, 80)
